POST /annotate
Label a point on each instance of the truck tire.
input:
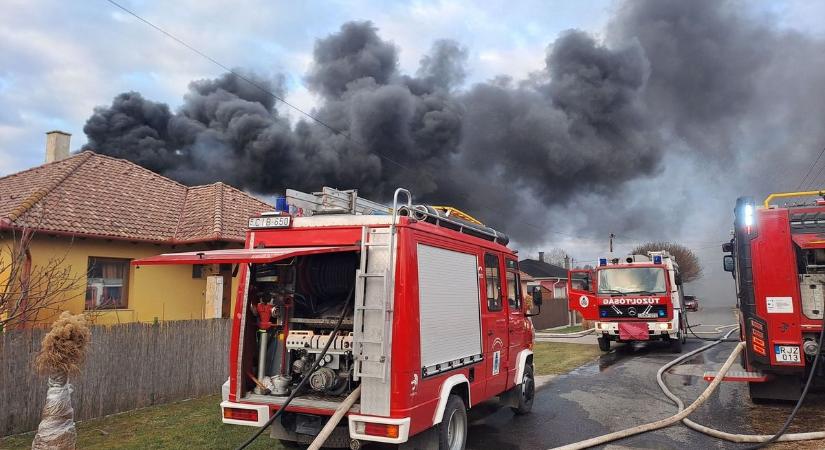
(526, 392)
(676, 344)
(782, 388)
(604, 344)
(452, 431)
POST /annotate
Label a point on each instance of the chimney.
(57, 145)
(541, 256)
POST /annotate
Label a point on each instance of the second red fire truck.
(777, 258)
(419, 307)
(636, 298)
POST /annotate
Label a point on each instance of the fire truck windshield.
(632, 280)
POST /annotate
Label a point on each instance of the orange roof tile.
(95, 195)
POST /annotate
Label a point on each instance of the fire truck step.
(739, 376)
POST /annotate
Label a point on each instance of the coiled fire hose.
(305, 378)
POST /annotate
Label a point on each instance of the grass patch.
(192, 424)
(196, 424)
(553, 358)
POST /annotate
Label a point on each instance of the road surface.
(619, 390)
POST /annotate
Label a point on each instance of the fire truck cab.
(777, 259)
(637, 298)
(434, 321)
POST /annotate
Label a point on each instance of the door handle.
(489, 332)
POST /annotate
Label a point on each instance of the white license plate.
(787, 353)
(270, 222)
(647, 315)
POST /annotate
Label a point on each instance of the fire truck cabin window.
(493, 282)
(632, 280)
(513, 286)
(107, 283)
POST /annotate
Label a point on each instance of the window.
(493, 282)
(108, 283)
(632, 280)
(560, 291)
(513, 286)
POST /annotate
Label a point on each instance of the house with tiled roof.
(99, 213)
(552, 280)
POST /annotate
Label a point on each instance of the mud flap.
(426, 440)
(780, 388)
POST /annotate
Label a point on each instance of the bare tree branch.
(689, 265)
(29, 290)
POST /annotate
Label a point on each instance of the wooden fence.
(129, 366)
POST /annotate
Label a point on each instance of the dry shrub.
(63, 350)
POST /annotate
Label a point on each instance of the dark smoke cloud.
(578, 125)
(354, 53)
(706, 84)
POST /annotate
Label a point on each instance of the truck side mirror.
(536, 302)
(727, 263)
(678, 279)
(727, 247)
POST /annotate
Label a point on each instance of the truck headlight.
(664, 326)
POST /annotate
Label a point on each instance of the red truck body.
(777, 258)
(438, 312)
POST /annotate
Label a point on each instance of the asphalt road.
(619, 391)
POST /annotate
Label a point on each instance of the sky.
(733, 113)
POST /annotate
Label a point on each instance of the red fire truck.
(637, 298)
(432, 320)
(777, 258)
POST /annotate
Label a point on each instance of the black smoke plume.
(496, 149)
(708, 85)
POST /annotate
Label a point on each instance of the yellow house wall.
(154, 292)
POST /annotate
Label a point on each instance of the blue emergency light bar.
(281, 204)
(657, 259)
(602, 261)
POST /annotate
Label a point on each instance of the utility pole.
(611, 242)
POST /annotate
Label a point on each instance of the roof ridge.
(239, 191)
(182, 213)
(217, 224)
(101, 155)
(42, 192)
(31, 169)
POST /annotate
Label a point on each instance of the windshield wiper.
(640, 292)
(611, 291)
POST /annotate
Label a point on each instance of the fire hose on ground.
(577, 334)
(683, 413)
(662, 423)
(752, 438)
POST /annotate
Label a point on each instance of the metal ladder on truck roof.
(372, 315)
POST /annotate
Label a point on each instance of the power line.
(250, 81)
(290, 105)
(818, 177)
(810, 169)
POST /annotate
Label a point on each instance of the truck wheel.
(604, 344)
(452, 431)
(786, 388)
(527, 391)
(676, 344)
